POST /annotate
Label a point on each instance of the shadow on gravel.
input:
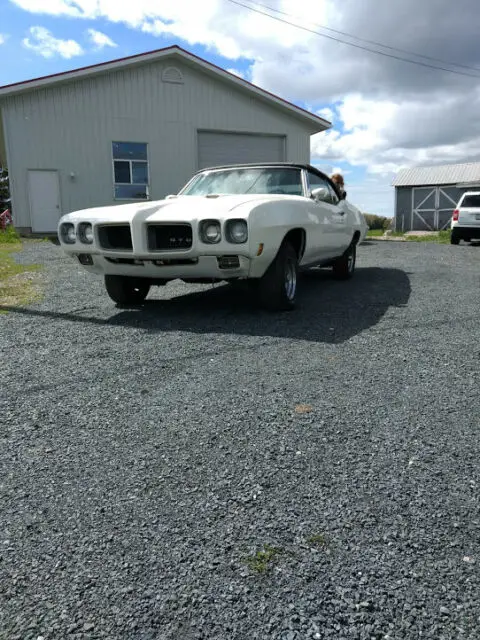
(328, 311)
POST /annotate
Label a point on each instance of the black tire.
(276, 290)
(454, 237)
(344, 267)
(126, 290)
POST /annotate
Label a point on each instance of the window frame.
(130, 162)
(469, 206)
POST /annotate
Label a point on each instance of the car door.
(342, 220)
(328, 213)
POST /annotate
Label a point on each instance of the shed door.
(44, 196)
(216, 148)
(432, 207)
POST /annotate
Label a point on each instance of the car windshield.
(471, 201)
(286, 181)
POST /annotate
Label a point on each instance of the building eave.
(315, 123)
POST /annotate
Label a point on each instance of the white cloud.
(384, 135)
(49, 7)
(3, 38)
(327, 113)
(45, 44)
(237, 72)
(99, 39)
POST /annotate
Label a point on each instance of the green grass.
(439, 237)
(317, 540)
(9, 236)
(262, 560)
(17, 282)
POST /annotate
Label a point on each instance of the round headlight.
(211, 232)
(237, 231)
(67, 232)
(85, 232)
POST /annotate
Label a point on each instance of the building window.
(130, 170)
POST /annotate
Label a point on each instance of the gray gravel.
(146, 454)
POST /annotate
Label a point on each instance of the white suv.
(465, 223)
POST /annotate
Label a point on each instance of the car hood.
(178, 208)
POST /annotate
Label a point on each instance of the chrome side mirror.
(320, 194)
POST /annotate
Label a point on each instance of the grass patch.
(441, 237)
(18, 282)
(262, 560)
(9, 235)
(317, 540)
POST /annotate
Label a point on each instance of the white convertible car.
(260, 223)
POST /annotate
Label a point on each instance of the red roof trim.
(172, 49)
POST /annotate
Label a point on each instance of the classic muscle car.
(260, 223)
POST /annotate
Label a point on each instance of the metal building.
(136, 128)
(425, 197)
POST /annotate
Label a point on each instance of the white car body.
(465, 223)
(157, 250)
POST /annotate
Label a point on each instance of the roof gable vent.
(172, 75)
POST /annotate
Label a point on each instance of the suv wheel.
(454, 237)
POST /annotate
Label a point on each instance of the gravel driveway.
(147, 455)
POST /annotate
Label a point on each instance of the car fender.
(269, 222)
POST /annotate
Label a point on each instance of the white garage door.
(238, 148)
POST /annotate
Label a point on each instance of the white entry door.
(44, 196)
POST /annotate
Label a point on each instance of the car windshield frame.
(253, 177)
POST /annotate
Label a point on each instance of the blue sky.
(386, 114)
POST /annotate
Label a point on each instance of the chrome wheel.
(290, 279)
(351, 261)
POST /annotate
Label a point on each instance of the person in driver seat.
(339, 183)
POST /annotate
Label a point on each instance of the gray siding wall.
(71, 127)
(403, 201)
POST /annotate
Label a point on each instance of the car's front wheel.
(126, 290)
(277, 288)
(344, 267)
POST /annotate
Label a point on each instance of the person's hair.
(338, 179)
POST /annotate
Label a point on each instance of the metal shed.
(425, 197)
(136, 129)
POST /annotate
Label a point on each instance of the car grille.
(169, 237)
(115, 236)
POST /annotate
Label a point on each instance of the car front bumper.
(221, 267)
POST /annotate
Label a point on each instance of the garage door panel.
(216, 148)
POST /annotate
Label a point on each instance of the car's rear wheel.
(454, 237)
(125, 290)
(344, 267)
(277, 289)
